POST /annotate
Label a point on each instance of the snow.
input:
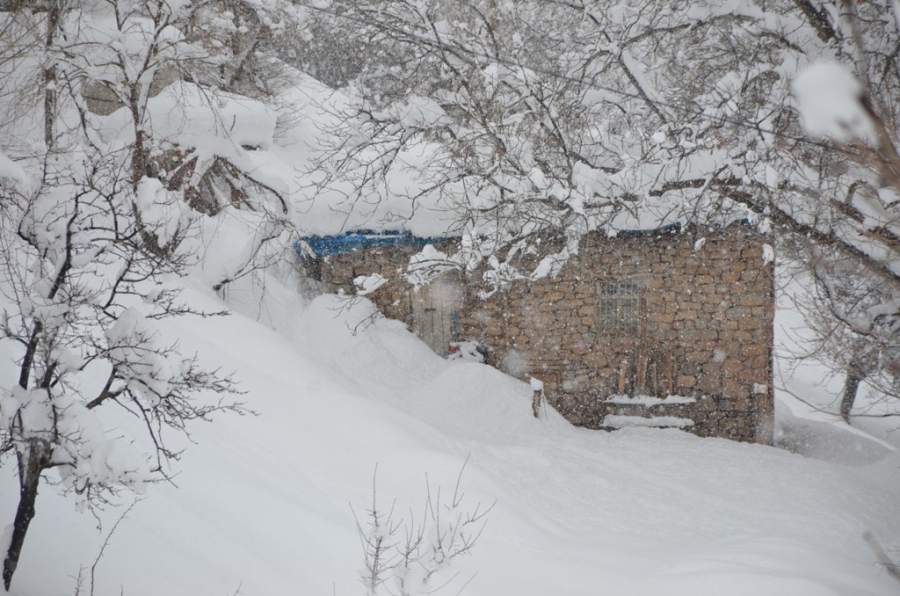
(368, 283)
(618, 421)
(646, 400)
(261, 501)
(429, 264)
(808, 394)
(415, 111)
(165, 214)
(699, 244)
(10, 169)
(193, 117)
(828, 97)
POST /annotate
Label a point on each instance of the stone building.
(666, 328)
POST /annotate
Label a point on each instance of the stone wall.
(702, 328)
(337, 273)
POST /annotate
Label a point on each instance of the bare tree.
(409, 557)
(853, 306)
(90, 233)
(568, 116)
(853, 325)
(81, 290)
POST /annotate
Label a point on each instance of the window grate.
(619, 308)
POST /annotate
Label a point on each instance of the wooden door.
(435, 308)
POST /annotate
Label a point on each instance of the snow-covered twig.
(419, 552)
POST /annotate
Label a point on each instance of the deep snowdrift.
(263, 503)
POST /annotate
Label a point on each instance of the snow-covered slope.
(263, 503)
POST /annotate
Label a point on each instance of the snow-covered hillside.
(264, 505)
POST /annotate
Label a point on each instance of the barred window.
(619, 307)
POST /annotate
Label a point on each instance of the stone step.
(624, 411)
(617, 421)
(649, 407)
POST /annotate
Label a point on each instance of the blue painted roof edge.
(326, 246)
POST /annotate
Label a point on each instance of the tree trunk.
(34, 461)
(139, 159)
(851, 385)
(54, 13)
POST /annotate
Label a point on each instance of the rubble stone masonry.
(652, 314)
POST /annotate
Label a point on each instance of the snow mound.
(462, 399)
(477, 402)
(826, 439)
(195, 117)
(261, 503)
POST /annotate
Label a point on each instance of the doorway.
(435, 312)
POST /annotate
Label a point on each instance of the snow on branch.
(830, 101)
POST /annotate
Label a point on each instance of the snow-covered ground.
(808, 393)
(264, 505)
